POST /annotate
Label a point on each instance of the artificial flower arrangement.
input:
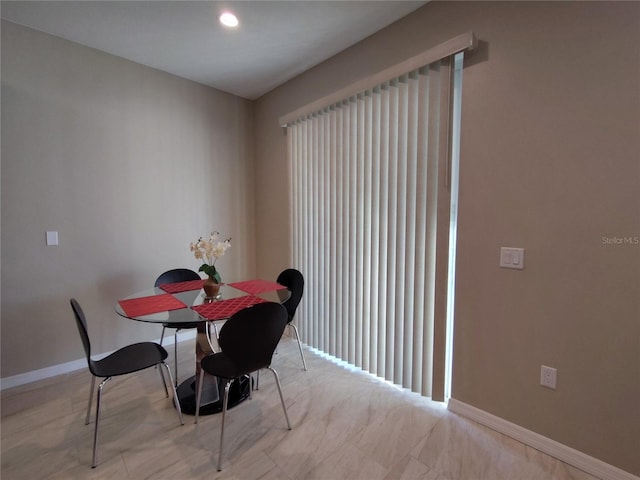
(209, 251)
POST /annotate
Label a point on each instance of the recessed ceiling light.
(228, 19)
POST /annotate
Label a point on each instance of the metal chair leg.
(258, 380)
(215, 332)
(304, 364)
(161, 339)
(199, 395)
(94, 461)
(210, 325)
(93, 385)
(175, 356)
(176, 400)
(224, 412)
(164, 383)
(275, 374)
(225, 401)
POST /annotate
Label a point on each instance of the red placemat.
(182, 286)
(254, 287)
(225, 308)
(137, 307)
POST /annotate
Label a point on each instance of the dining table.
(186, 303)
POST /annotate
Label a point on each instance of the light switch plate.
(511, 257)
(52, 238)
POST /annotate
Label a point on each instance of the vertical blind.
(369, 224)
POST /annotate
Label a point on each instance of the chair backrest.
(294, 281)
(251, 335)
(177, 275)
(81, 323)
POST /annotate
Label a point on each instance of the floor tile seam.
(434, 467)
(278, 467)
(26, 426)
(367, 455)
(319, 459)
(429, 469)
(470, 440)
(124, 464)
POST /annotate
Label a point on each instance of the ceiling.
(276, 40)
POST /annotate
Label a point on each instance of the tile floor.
(346, 425)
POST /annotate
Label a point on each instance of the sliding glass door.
(373, 225)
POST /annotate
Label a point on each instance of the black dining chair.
(174, 276)
(129, 359)
(247, 341)
(294, 281)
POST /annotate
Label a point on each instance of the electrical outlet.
(548, 377)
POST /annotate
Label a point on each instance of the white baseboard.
(566, 454)
(74, 365)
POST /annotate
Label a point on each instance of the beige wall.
(129, 165)
(550, 161)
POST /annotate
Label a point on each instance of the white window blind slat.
(392, 212)
(359, 227)
(366, 234)
(352, 185)
(375, 233)
(383, 101)
(420, 321)
(326, 223)
(343, 245)
(333, 257)
(400, 233)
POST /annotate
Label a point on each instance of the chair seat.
(129, 359)
(221, 365)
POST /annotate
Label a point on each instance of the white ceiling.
(276, 40)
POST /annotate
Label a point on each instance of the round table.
(211, 401)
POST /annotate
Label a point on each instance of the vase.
(211, 288)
